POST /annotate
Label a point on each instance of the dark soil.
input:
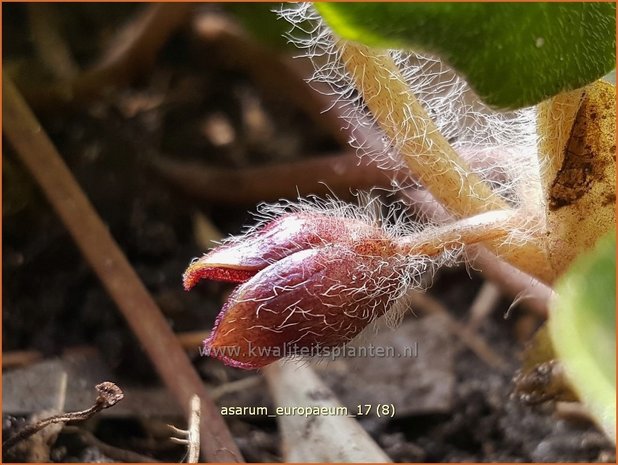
(53, 301)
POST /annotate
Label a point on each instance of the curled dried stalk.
(428, 154)
(109, 395)
(337, 174)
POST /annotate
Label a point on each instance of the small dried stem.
(19, 358)
(483, 304)
(469, 338)
(190, 437)
(109, 395)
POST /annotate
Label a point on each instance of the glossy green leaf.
(512, 54)
(582, 326)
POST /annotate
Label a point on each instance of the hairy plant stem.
(412, 132)
(428, 154)
(494, 225)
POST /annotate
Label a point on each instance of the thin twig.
(133, 52)
(244, 384)
(523, 288)
(107, 260)
(49, 43)
(191, 340)
(483, 304)
(473, 341)
(191, 436)
(19, 358)
(109, 395)
(338, 174)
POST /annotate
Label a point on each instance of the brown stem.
(111, 266)
(337, 174)
(470, 338)
(273, 74)
(134, 51)
(19, 358)
(523, 288)
(49, 43)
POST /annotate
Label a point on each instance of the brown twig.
(134, 51)
(19, 358)
(473, 341)
(273, 74)
(483, 304)
(107, 260)
(109, 395)
(49, 43)
(240, 385)
(337, 174)
(523, 288)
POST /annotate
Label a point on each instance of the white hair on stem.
(500, 146)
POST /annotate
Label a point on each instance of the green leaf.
(512, 54)
(582, 326)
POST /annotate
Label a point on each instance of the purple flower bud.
(309, 281)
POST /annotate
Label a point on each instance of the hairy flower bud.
(241, 259)
(308, 281)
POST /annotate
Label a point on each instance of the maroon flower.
(307, 281)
